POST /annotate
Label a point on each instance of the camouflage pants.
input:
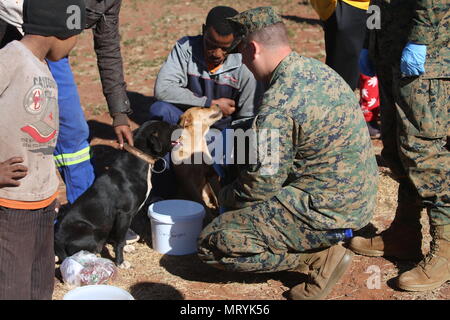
(264, 237)
(415, 126)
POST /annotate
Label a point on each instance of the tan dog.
(197, 179)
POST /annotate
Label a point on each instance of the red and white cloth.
(370, 98)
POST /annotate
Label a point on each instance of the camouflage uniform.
(324, 175)
(414, 111)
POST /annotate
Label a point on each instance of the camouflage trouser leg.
(265, 237)
(409, 202)
(423, 125)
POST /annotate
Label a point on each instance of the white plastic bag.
(85, 268)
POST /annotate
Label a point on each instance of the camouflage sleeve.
(426, 20)
(271, 159)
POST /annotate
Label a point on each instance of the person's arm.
(324, 8)
(110, 65)
(274, 160)
(172, 80)
(424, 22)
(423, 32)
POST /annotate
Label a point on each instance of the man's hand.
(122, 129)
(413, 59)
(124, 133)
(226, 105)
(11, 171)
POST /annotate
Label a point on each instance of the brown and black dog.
(197, 180)
(105, 211)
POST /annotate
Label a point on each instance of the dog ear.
(186, 120)
(154, 144)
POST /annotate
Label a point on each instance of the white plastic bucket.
(176, 225)
(98, 292)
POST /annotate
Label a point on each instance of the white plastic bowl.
(98, 292)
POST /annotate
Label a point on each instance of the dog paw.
(129, 248)
(132, 237)
(125, 265)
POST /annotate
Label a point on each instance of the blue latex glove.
(365, 65)
(413, 59)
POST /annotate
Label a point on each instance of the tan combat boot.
(402, 240)
(324, 269)
(434, 270)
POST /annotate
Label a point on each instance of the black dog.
(105, 211)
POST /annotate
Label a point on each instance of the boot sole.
(369, 253)
(337, 274)
(421, 287)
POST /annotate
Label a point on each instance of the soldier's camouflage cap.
(252, 20)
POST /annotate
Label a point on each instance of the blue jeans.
(165, 111)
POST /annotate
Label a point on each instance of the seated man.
(202, 71)
(315, 173)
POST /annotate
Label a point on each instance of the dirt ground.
(149, 29)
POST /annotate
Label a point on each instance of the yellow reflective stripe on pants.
(68, 159)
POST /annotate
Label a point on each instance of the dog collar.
(176, 143)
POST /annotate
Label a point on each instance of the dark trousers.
(344, 38)
(27, 259)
